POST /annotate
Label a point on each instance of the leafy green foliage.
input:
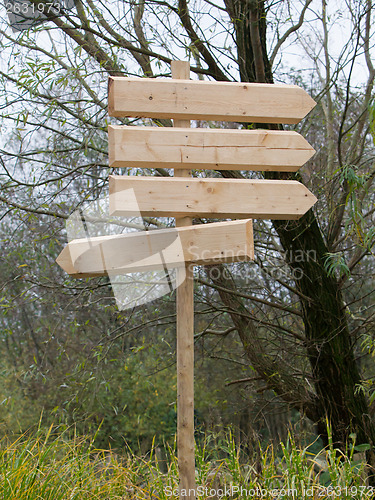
(64, 347)
(335, 262)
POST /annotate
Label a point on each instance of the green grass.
(54, 467)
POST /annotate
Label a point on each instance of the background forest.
(285, 340)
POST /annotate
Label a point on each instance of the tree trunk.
(329, 345)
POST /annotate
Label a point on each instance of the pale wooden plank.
(219, 149)
(218, 242)
(205, 100)
(225, 198)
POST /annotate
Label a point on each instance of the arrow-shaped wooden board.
(219, 149)
(218, 198)
(214, 243)
(204, 100)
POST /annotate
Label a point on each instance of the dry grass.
(53, 467)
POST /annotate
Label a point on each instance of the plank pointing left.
(214, 243)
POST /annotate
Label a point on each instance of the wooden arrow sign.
(219, 149)
(214, 243)
(221, 198)
(203, 100)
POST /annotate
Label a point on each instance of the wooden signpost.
(202, 197)
(202, 100)
(219, 149)
(183, 197)
(216, 243)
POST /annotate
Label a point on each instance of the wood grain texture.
(221, 198)
(185, 340)
(204, 100)
(218, 242)
(219, 149)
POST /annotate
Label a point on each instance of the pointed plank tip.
(64, 260)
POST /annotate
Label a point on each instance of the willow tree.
(305, 316)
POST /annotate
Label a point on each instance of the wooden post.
(185, 345)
